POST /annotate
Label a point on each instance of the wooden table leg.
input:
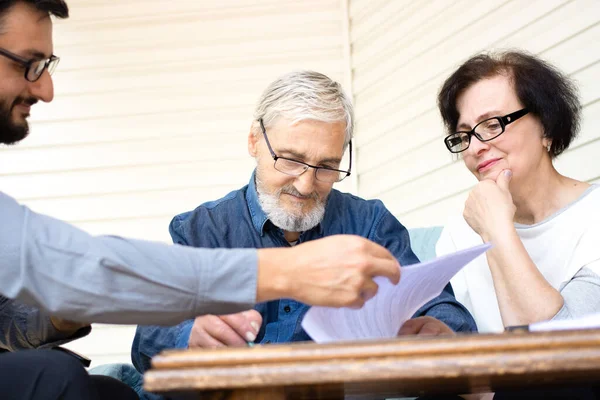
(269, 393)
(324, 392)
(277, 393)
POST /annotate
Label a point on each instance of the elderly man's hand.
(425, 326)
(233, 330)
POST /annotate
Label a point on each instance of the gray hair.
(303, 95)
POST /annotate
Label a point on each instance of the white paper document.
(591, 321)
(383, 315)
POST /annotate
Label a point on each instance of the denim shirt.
(238, 221)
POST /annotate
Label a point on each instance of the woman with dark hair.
(509, 115)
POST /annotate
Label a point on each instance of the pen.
(517, 328)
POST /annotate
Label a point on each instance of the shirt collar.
(259, 218)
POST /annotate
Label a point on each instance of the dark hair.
(539, 86)
(58, 8)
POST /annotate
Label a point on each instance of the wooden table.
(409, 366)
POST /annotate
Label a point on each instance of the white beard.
(289, 221)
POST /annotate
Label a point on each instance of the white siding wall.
(153, 104)
(402, 51)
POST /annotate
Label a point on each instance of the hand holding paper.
(384, 314)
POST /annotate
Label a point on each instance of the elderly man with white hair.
(302, 126)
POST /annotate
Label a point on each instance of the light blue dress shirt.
(50, 264)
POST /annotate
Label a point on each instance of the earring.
(548, 147)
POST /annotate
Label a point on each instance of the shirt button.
(287, 309)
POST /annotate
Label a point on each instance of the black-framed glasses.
(33, 68)
(297, 168)
(486, 130)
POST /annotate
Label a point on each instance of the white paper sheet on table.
(383, 315)
(591, 321)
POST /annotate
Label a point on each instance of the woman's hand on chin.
(489, 209)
